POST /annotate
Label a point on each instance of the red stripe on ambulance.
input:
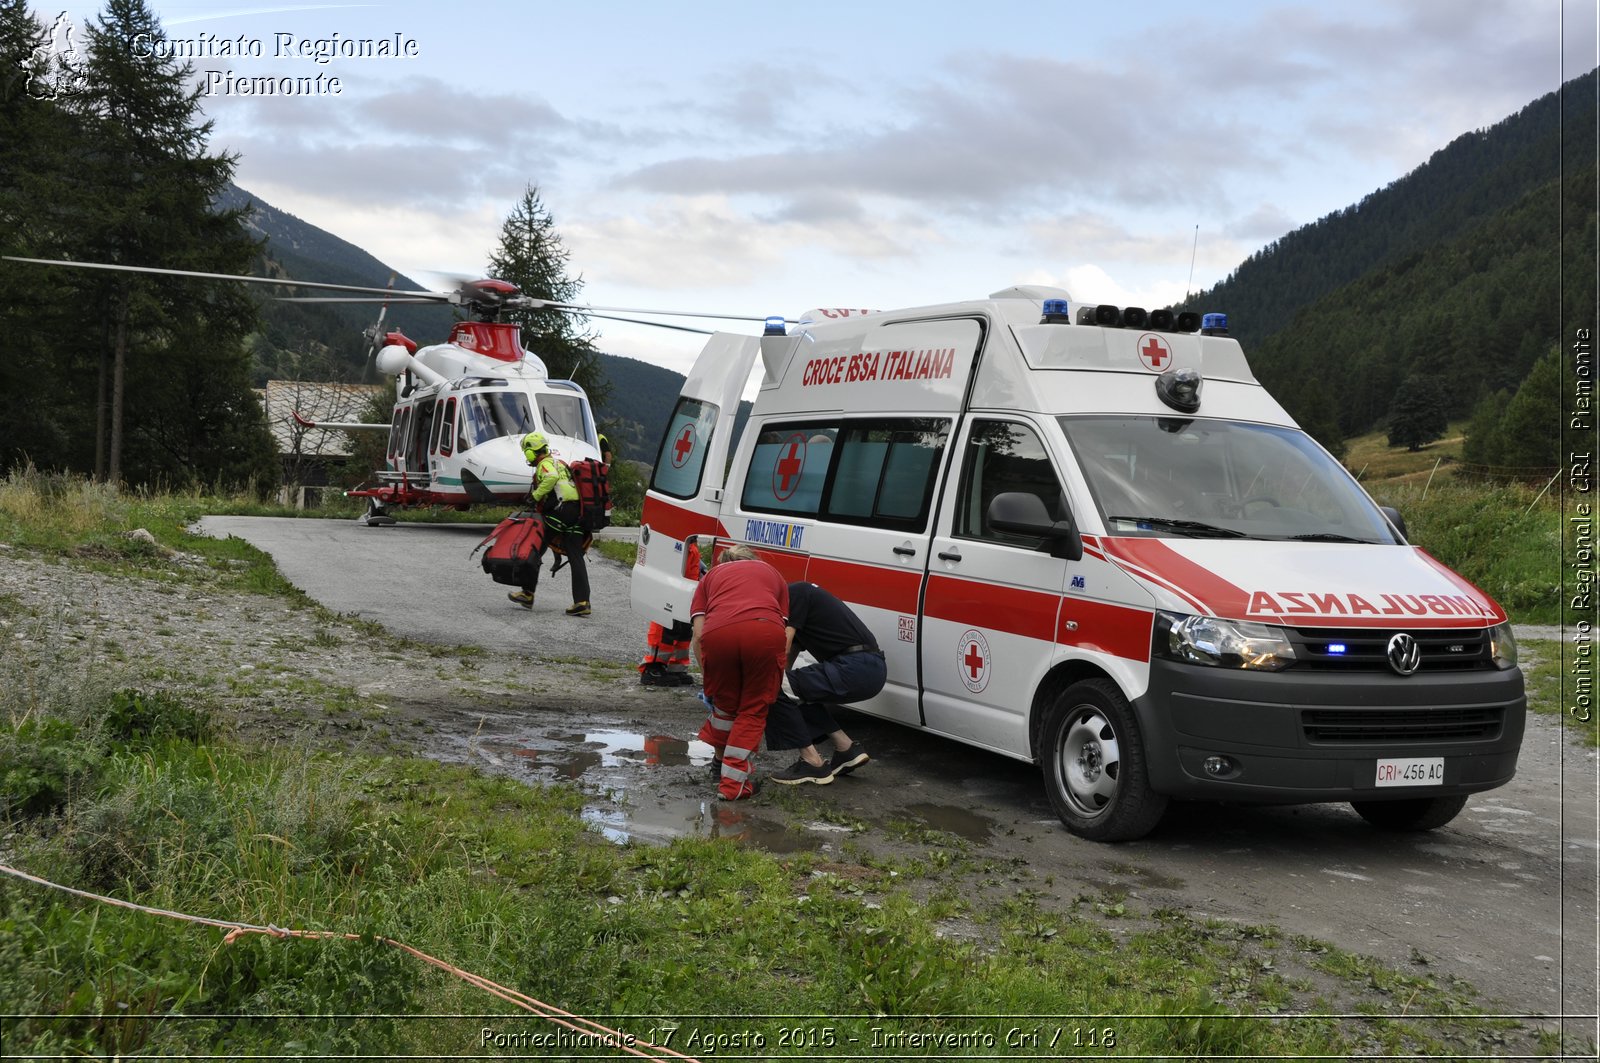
(1155, 562)
(676, 522)
(892, 589)
(1487, 606)
(1107, 628)
(1031, 614)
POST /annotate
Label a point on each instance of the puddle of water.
(953, 820)
(705, 817)
(615, 765)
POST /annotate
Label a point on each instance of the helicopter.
(461, 406)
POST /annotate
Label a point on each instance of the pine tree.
(1530, 431)
(530, 256)
(35, 139)
(146, 188)
(1420, 413)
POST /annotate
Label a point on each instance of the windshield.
(1165, 476)
(562, 415)
(487, 415)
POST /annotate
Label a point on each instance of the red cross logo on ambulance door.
(683, 446)
(786, 470)
(972, 660)
(1154, 352)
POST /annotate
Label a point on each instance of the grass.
(1551, 693)
(1371, 457)
(151, 797)
(1504, 538)
(503, 880)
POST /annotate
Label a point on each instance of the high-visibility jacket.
(552, 474)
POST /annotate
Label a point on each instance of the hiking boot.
(716, 769)
(801, 772)
(655, 675)
(578, 609)
(522, 598)
(679, 679)
(846, 761)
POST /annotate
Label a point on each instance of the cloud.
(1178, 119)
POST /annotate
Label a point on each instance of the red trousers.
(742, 667)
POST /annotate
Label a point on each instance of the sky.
(741, 158)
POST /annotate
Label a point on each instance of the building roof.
(315, 401)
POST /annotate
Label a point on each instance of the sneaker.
(578, 609)
(846, 761)
(746, 789)
(800, 772)
(522, 598)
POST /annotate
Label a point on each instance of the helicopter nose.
(502, 466)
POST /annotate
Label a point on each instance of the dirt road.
(1503, 897)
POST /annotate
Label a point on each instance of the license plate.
(1411, 771)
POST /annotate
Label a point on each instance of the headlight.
(1222, 643)
(1502, 647)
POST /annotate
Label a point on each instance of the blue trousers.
(846, 678)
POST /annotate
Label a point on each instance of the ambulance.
(1087, 538)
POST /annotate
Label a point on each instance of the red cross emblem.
(786, 470)
(1154, 352)
(973, 660)
(683, 446)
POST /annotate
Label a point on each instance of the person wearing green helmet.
(556, 498)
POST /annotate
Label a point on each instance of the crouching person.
(849, 667)
(739, 612)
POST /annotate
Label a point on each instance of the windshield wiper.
(1186, 527)
(1327, 537)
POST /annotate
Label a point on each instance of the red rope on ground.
(576, 1023)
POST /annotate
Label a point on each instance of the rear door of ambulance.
(685, 497)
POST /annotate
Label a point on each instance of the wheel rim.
(1089, 763)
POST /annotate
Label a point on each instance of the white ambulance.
(1086, 537)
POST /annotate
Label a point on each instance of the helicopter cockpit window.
(562, 415)
(487, 415)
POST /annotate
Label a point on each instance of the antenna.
(1192, 253)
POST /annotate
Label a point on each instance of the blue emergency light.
(1214, 325)
(1337, 649)
(1056, 312)
(775, 327)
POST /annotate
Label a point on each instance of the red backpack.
(594, 493)
(513, 554)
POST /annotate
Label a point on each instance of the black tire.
(1412, 813)
(1094, 765)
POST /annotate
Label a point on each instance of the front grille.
(1349, 726)
(1367, 649)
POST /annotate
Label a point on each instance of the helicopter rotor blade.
(652, 324)
(581, 309)
(427, 297)
(350, 299)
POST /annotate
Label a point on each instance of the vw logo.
(1405, 654)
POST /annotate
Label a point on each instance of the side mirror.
(1397, 520)
(1022, 513)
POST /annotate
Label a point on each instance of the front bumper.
(1303, 736)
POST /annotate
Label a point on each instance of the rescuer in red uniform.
(738, 612)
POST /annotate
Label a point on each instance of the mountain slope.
(1471, 180)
